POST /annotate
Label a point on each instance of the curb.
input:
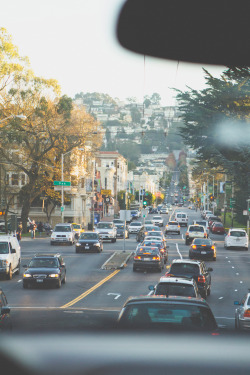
(120, 266)
(124, 264)
(108, 260)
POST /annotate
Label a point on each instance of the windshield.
(76, 226)
(235, 233)
(43, 263)
(196, 229)
(184, 269)
(4, 248)
(175, 289)
(61, 228)
(104, 226)
(89, 236)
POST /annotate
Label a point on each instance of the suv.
(236, 238)
(5, 320)
(195, 231)
(175, 286)
(242, 313)
(172, 227)
(107, 230)
(204, 223)
(181, 218)
(63, 233)
(193, 269)
(10, 256)
(45, 270)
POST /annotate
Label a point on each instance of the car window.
(47, 263)
(89, 236)
(201, 241)
(104, 226)
(175, 289)
(184, 268)
(4, 248)
(196, 229)
(62, 228)
(238, 233)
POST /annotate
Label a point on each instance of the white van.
(10, 256)
(181, 218)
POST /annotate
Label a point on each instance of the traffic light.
(2, 213)
(211, 197)
(145, 203)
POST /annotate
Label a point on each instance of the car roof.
(190, 261)
(237, 229)
(166, 299)
(176, 280)
(47, 255)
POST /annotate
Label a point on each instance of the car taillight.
(156, 258)
(247, 313)
(187, 233)
(162, 251)
(213, 248)
(201, 279)
(194, 246)
(178, 226)
(137, 257)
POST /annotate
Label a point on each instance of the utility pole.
(232, 223)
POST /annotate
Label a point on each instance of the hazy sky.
(74, 42)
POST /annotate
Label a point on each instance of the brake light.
(156, 258)
(213, 248)
(201, 279)
(194, 246)
(178, 226)
(187, 233)
(247, 313)
(137, 257)
(162, 251)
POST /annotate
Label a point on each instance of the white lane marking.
(114, 294)
(178, 251)
(19, 281)
(236, 290)
(241, 282)
(226, 257)
(229, 261)
(232, 266)
(237, 274)
(221, 297)
(223, 317)
(182, 236)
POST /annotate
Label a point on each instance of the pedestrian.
(33, 229)
(40, 228)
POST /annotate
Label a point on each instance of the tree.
(155, 98)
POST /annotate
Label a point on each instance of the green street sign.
(62, 183)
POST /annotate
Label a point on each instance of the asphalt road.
(93, 297)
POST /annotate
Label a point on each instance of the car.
(120, 230)
(157, 243)
(45, 270)
(175, 286)
(148, 222)
(212, 219)
(242, 313)
(63, 233)
(236, 238)
(195, 231)
(135, 226)
(172, 227)
(107, 230)
(144, 231)
(118, 221)
(195, 269)
(202, 248)
(10, 256)
(148, 258)
(217, 228)
(164, 210)
(157, 220)
(204, 212)
(89, 242)
(5, 317)
(135, 214)
(173, 313)
(181, 218)
(204, 223)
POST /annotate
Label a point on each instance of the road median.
(117, 260)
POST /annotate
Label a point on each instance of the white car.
(134, 227)
(157, 220)
(172, 227)
(181, 218)
(107, 230)
(63, 233)
(236, 238)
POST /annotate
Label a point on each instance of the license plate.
(203, 252)
(147, 259)
(86, 247)
(39, 280)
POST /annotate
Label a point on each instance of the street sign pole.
(62, 196)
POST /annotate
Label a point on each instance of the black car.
(195, 269)
(45, 270)
(161, 246)
(173, 313)
(5, 319)
(148, 257)
(202, 248)
(89, 242)
(145, 230)
(120, 230)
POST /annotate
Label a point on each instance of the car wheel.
(178, 232)
(77, 250)
(236, 324)
(64, 279)
(59, 283)
(25, 286)
(204, 294)
(52, 243)
(246, 248)
(10, 273)
(209, 291)
(18, 267)
(134, 268)
(186, 242)
(214, 259)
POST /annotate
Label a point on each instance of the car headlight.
(26, 275)
(53, 237)
(110, 232)
(96, 244)
(53, 275)
(78, 244)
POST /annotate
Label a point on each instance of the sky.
(74, 42)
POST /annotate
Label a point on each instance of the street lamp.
(22, 117)
(62, 193)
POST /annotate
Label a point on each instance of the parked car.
(195, 231)
(202, 248)
(212, 219)
(63, 233)
(10, 256)
(175, 286)
(89, 242)
(217, 228)
(45, 270)
(195, 269)
(174, 313)
(172, 227)
(242, 313)
(107, 230)
(148, 258)
(204, 212)
(236, 238)
(157, 220)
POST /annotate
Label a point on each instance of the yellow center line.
(83, 295)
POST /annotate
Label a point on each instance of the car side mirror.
(13, 251)
(236, 303)
(151, 287)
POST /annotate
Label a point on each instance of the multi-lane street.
(93, 297)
